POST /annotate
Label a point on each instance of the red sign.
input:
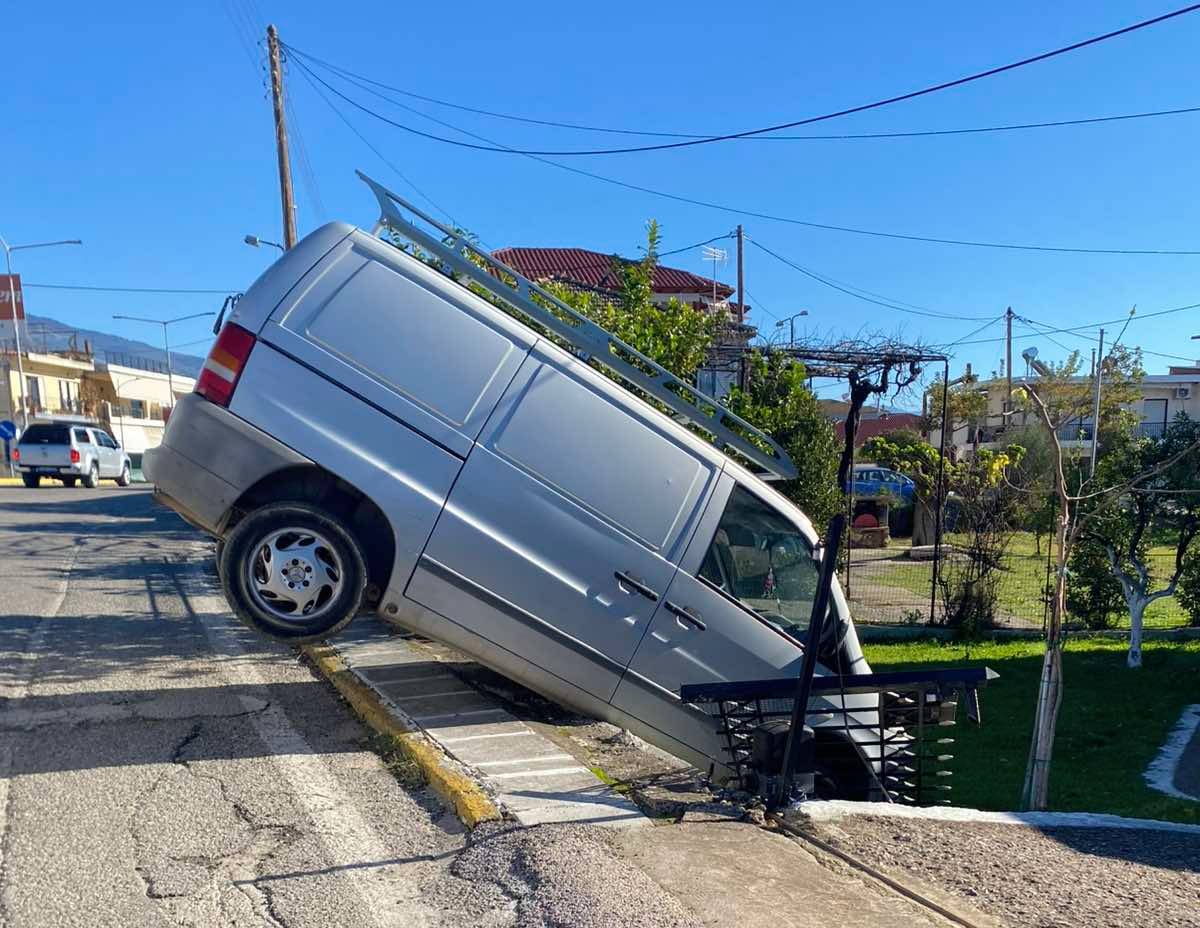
(7, 288)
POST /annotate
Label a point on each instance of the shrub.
(1093, 593)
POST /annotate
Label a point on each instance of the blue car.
(873, 480)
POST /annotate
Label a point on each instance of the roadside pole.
(741, 307)
(281, 143)
(1008, 404)
(1099, 377)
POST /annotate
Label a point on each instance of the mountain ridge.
(48, 334)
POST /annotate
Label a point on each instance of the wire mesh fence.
(893, 585)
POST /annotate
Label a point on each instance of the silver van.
(372, 430)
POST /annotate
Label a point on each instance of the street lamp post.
(791, 322)
(12, 296)
(256, 241)
(166, 345)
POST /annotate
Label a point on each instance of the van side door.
(737, 609)
(565, 526)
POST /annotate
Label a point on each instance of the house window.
(68, 396)
(33, 393)
(137, 409)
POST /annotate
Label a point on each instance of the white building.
(135, 403)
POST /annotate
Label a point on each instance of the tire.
(219, 554)
(126, 478)
(69, 481)
(291, 572)
(31, 480)
(92, 480)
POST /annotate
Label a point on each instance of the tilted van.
(372, 430)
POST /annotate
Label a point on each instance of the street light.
(12, 296)
(791, 321)
(256, 241)
(166, 346)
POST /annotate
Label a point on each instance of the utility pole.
(741, 315)
(1008, 404)
(741, 310)
(281, 144)
(1099, 376)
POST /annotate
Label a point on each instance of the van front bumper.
(208, 458)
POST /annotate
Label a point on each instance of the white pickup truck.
(69, 452)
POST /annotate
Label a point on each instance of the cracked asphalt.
(162, 766)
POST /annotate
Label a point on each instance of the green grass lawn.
(1112, 722)
(1020, 588)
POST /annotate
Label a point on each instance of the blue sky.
(145, 130)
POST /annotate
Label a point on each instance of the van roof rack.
(724, 429)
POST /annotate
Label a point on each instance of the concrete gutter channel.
(490, 765)
(474, 753)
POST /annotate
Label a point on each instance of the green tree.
(674, 334)
(1160, 496)
(910, 454)
(777, 400)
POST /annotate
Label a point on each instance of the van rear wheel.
(292, 572)
(31, 480)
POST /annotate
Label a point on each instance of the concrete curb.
(470, 802)
(10, 482)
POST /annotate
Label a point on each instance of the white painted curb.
(1160, 775)
(837, 809)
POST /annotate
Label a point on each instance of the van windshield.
(46, 435)
(762, 560)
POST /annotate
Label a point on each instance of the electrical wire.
(715, 238)
(579, 127)
(754, 214)
(307, 74)
(26, 283)
(880, 302)
(1082, 328)
(864, 107)
(973, 332)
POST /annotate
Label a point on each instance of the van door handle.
(686, 615)
(633, 583)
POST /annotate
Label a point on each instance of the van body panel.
(405, 475)
(543, 519)
(278, 280)
(414, 617)
(443, 377)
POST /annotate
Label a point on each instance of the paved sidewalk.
(530, 776)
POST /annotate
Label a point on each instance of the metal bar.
(812, 644)
(937, 515)
(726, 430)
(785, 688)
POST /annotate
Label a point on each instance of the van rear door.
(565, 525)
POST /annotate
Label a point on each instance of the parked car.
(873, 480)
(69, 452)
(368, 432)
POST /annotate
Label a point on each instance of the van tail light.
(16, 454)
(224, 364)
(74, 455)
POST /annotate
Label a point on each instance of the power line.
(877, 104)
(738, 211)
(829, 283)
(841, 137)
(986, 325)
(378, 154)
(715, 238)
(579, 127)
(1082, 328)
(26, 283)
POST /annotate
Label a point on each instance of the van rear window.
(46, 435)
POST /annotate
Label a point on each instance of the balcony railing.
(1075, 431)
(1151, 429)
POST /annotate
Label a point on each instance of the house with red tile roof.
(594, 271)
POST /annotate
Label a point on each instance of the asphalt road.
(160, 765)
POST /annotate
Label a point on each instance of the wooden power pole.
(281, 144)
(1008, 404)
(741, 310)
